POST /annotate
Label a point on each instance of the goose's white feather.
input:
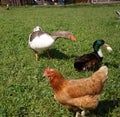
(37, 28)
(39, 43)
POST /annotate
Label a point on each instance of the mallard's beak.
(108, 47)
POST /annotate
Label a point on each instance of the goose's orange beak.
(72, 37)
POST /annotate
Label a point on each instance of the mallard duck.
(40, 40)
(92, 60)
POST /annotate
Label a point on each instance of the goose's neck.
(60, 34)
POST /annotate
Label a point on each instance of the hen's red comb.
(47, 69)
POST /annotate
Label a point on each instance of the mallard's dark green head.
(97, 44)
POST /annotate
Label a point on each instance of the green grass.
(23, 90)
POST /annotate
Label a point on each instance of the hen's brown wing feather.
(82, 87)
(86, 102)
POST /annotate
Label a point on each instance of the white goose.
(40, 40)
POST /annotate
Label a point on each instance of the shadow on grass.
(55, 54)
(111, 65)
(105, 107)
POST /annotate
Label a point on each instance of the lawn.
(23, 90)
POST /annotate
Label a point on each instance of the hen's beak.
(46, 70)
(108, 47)
(72, 37)
(44, 75)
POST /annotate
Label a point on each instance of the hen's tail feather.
(101, 74)
(104, 69)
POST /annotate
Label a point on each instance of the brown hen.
(77, 94)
